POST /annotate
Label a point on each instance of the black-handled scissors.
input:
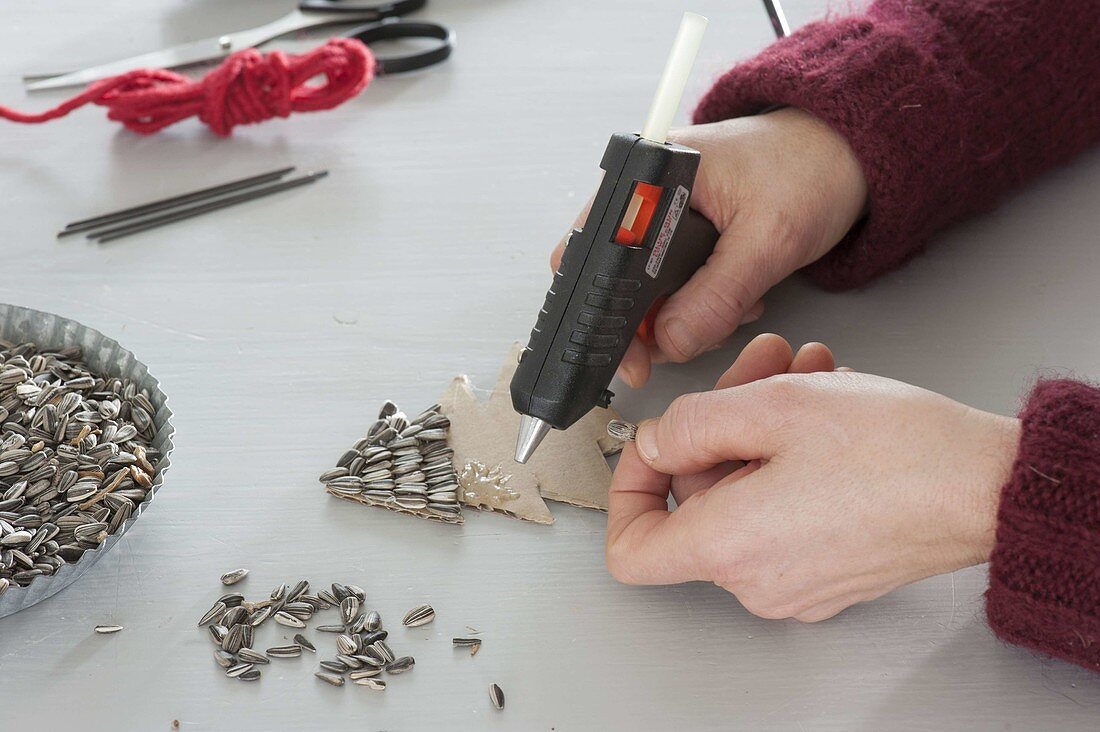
(308, 14)
(392, 28)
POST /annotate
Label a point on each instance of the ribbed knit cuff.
(1044, 588)
(893, 85)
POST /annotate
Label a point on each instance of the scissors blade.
(208, 49)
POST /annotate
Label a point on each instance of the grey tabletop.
(278, 328)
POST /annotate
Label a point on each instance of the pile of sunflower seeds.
(361, 649)
(402, 464)
(75, 458)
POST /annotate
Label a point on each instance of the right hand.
(782, 188)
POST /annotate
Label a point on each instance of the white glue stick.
(674, 78)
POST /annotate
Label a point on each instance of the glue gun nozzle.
(532, 430)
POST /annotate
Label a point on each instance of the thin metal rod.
(778, 18)
(118, 232)
(152, 207)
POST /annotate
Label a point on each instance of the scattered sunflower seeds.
(419, 615)
(107, 629)
(361, 649)
(233, 577)
(496, 696)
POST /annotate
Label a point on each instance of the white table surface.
(279, 327)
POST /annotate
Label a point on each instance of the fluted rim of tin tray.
(104, 355)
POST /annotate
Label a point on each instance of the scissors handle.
(383, 10)
(394, 28)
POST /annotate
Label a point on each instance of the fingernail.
(646, 441)
(627, 375)
(753, 314)
(683, 337)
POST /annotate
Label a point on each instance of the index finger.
(646, 543)
(701, 430)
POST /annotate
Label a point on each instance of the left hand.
(804, 493)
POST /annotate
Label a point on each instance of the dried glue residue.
(485, 486)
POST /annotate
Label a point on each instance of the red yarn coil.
(248, 87)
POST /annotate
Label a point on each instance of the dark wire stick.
(778, 19)
(120, 231)
(166, 203)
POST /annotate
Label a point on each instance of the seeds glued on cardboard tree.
(569, 466)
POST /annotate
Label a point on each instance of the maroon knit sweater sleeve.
(1044, 589)
(948, 104)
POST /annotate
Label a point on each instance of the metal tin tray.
(103, 355)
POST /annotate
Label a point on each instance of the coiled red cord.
(248, 87)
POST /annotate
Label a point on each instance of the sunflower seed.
(297, 591)
(107, 629)
(250, 675)
(234, 616)
(400, 665)
(356, 626)
(372, 657)
(224, 659)
(233, 599)
(330, 678)
(237, 670)
(474, 644)
(250, 656)
(349, 608)
(364, 673)
(234, 576)
(304, 643)
(373, 621)
(234, 639)
(334, 666)
(349, 660)
(217, 633)
(374, 636)
(291, 651)
(285, 618)
(496, 696)
(419, 615)
(347, 644)
(257, 618)
(376, 684)
(383, 651)
(330, 628)
(214, 613)
(620, 430)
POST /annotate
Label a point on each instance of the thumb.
(717, 298)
